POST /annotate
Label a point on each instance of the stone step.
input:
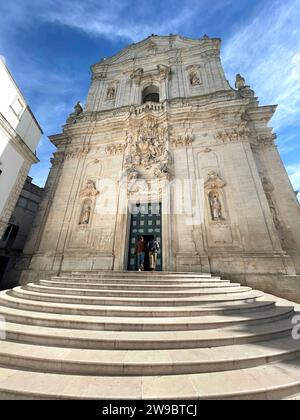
(138, 280)
(110, 323)
(145, 274)
(273, 381)
(214, 308)
(147, 340)
(243, 296)
(146, 362)
(116, 292)
(134, 286)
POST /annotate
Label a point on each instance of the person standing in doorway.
(140, 253)
(153, 247)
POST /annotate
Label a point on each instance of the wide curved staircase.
(115, 335)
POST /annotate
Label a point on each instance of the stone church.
(166, 147)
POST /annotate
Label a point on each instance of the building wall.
(19, 137)
(14, 239)
(202, 131)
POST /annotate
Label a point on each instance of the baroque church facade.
(166, 147)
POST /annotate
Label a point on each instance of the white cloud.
(267, 52)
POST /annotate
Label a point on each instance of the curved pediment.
(154, 45)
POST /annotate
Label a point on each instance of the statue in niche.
(86, 213)
(111, 93)
(240, 82)
(194, 78)
(215, 206)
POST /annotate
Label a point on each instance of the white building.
(19, 136)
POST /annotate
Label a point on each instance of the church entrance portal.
(145, 221)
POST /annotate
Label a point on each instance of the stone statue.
(78, 109)
(111, 93)
(216, 207)
(194, 78)
(86, 213)
(240, 82)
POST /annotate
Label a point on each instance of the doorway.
(145, 220)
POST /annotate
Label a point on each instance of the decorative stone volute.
(89, 189)
(213, 181)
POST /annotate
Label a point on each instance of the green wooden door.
(145, 221)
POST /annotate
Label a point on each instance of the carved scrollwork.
(146, 148)
(182, 141)
(77, 153)
(111, 91)
(267, 140)
(115, 149)
(194, 75)
(89, 190)
(213, 181)
(241, 133)
(57, 158)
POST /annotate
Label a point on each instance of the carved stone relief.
(111, 91)
(76, 152)
(182, 141)
(194, 75)
(146, 148)
(115, 149)
(89, 189)
(241, 133)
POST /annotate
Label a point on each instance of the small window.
(17, 107)
(150, 94)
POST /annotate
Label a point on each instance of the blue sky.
(49, 46)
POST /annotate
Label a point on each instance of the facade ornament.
(98, 76)
(241, 133)
(89, 190)
(57, 158)
(182, 141)
(240, 82)
(194, 75)
(111, 91)
(78, 110)
(136, 75)
(243, 89)
(77, 152)
(210, 54)
(163, 71)
(147, 147)
(213, 181)
(267, 140)
(115, 149)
